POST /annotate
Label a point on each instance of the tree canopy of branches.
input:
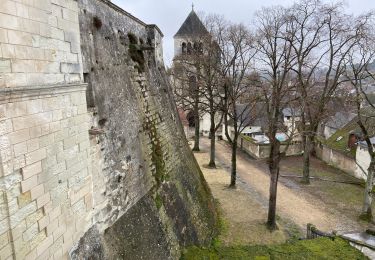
(357, 72)
(275, 60)
(237, 52)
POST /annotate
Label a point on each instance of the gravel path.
(293, 203)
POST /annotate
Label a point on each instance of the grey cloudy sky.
(170, 14)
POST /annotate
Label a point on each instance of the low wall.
(262, 151)
(336, 159)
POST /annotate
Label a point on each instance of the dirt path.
(244, 216)
(293, 204)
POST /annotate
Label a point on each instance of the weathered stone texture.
(132, 187)
(152, 190)
(39, 43)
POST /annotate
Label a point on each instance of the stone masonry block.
(32, 27)
(19, 136)
(4, 239)
(32, 219)
(31, 170)
(55, 213)
(37, 191)
(35, 132)
(20, 38)
(31, 232)
(43, 222)
(21, 248)
(67, 25)
(45, 30)
(3, 226)
(43, 246)
(24, 199)
(6, 252)
(8, 50)
(21, 52)
(36, 241)
(30, 183)
(22, 10)
(10, 22)
(5, 65)
(16, 109)
(70, 15)
(43, 200)
(43, 4)
(21, 214)
(32, 145)
(70, 67)
(37, 14)
(36, 156)
(20, 149)
(52, 226)
(6, 126)
(3, 36)
(8, 7)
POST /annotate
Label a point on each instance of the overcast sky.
(170, 14)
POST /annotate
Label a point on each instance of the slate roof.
(340, 119)
(252, 116)
(289, 111)
(192, 26)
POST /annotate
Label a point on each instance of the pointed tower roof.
(192, 26)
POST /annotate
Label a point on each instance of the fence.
(313, 232)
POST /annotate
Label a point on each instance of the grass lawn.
(322, 248)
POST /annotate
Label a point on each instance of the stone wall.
(148, 172)
(100, 169)
(39, 43)
(45, 177)
(262, 151)
(336, 159)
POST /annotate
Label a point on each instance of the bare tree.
(211, 78)
(275, 60)
(237, 52)
(321, 35)
(358, 72)
(189, 90)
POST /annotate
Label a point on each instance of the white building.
(363, 159)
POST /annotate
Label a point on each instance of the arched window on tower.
(189, 48)
(184, 47)
(201, 47)
(196, 47)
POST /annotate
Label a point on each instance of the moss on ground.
(321, 248)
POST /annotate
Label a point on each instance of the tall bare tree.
(321, 35)
(189, 86)
(358, 73)
(237, 52)
(275, 59)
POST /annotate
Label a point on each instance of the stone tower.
(186, 37)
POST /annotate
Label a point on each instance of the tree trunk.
(212, 163)
(196, 122)
(306, 159)
(233, 175)
(366, 210)
(196, 135)
(274, 171)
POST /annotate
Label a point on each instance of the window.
(184, 47)
(189, 48)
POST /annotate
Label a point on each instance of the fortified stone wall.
(98, 169)
(45, 177)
